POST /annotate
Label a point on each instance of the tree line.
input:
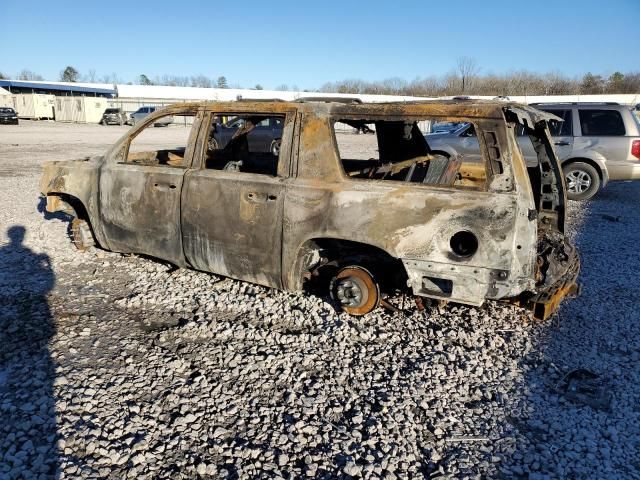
(465, 79)
(515, 83)
(71, 74)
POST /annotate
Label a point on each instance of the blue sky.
(308, 44)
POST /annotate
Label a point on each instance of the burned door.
(140, 188)
(232, 211)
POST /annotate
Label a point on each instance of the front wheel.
(81, 234)
(356, 290)
(583, 181)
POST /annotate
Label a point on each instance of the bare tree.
(90, 76)
(467, 68)
(201, 81)
(394, 86)
(172, 81)
(113, 78)
(630, 83)
(328, 87)
(222, 82)
(181, 81)
(558, 84)
(429, 86)
(592, 84)
(450, 84)
(29, 75)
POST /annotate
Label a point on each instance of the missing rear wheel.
(356, 290)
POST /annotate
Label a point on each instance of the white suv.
(142, 112)
(595, 143)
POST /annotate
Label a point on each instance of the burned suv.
(372, 217)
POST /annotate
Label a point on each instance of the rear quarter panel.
(412, 222)
(77, 178)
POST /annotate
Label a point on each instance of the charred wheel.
(355, 289)
(81, 234)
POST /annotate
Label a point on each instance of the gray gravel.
(117, 366)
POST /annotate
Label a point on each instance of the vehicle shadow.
(28, 433)
(595, 434)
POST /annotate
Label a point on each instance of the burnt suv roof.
(472, 108)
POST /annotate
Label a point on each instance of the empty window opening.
(400, 150)
(162, 146)
(247, 143)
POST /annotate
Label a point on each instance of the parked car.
(446, 127)
(113, 116)
(595, 142)
(320, 212)
(265, 136)
(8, 116)
(143, 112)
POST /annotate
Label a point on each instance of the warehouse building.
(59, 88)
(60, 101)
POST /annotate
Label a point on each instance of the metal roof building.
(59, 88)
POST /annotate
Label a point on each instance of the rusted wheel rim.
(356, 290)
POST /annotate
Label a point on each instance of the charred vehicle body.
(400, 216)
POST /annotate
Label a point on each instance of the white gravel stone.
(112, 363)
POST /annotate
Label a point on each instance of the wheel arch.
(71, 205)
(314, 251)
(599, 166)
(66, 203)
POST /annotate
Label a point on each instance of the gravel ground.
(117, 366)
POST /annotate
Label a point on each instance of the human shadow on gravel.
(27, 406)
(557, 435)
